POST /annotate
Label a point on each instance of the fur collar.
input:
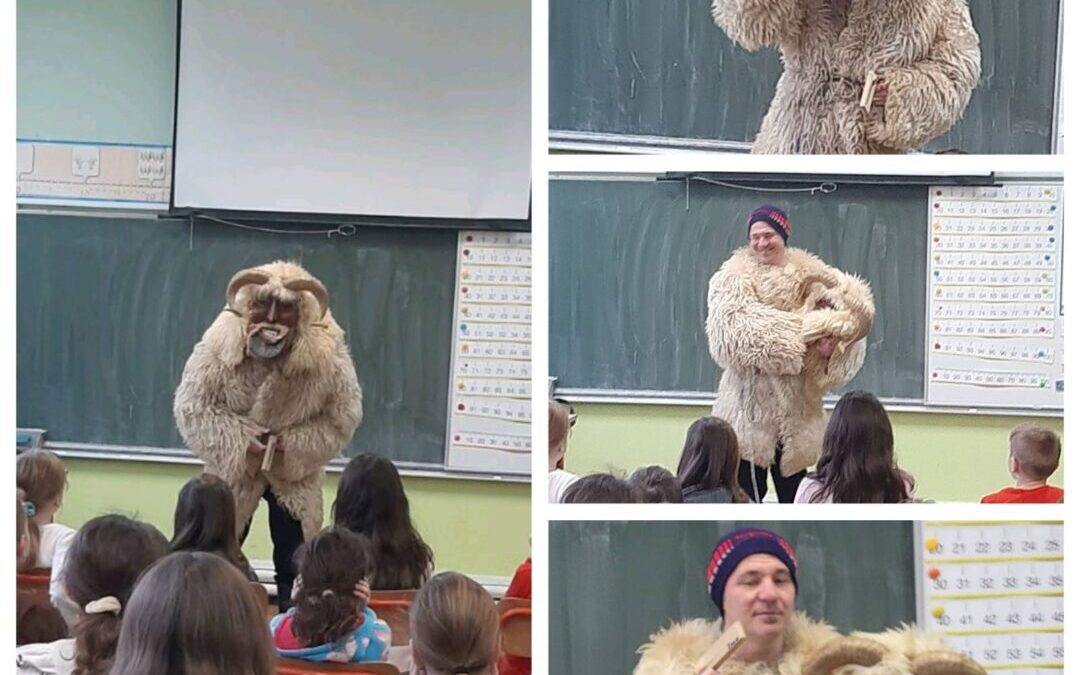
(675, 650)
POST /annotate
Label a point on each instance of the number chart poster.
(995, 591)
(491, 374)
(994, 305)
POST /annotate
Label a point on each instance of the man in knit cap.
(786, 328)
(752, 577)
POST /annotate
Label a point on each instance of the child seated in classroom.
(371, 501)
(106, 558)
(193, 612)
(601, 488)
(330, 620)
(857, 464)
(42, 478)
(1034, 453)
(35, 619)
(205, 520)
(709, 464)
(454, 627)
(559, 424)
(656, 485)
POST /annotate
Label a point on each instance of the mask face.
(270, 327)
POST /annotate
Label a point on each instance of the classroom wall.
(101, 71)
(480, 528)
(954, 458)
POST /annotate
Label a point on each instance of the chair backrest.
(35, 581)
(296, 667)
(262, 596)
(393, 608)
(515, 623)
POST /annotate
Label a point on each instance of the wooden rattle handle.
(268, 456)
(721, 650)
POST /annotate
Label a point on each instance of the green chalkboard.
(612, 584)
(110, 308)
(630, 263)
(641, 68)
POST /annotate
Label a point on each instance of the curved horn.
(843, 652)
(945, 663)
(240, 279)
(313, 286)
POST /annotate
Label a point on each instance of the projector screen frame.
(381, 220)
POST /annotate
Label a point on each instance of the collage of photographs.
(297, 282)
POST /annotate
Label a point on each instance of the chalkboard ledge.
(699, 399)
(596, 141)
(123, 453)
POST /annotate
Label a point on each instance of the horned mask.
(269, 298)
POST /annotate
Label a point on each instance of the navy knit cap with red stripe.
(774, 217)
(738, 545)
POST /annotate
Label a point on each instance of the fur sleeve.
(843, 366)
(759, 23)
(308, 446)
(926, 98)
(746, 333)
(214, 433)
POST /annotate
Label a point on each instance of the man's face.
(768, 246)
(760, 595)
(269, 327)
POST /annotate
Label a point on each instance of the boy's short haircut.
(1036, 448)
(601, 488)
(656, 485)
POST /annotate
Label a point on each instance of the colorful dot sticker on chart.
(934, 573)
(931, 543)
(937, 612)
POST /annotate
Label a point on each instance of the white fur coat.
(761, 320)
(309, 398)
(675, 650)
(926, 50)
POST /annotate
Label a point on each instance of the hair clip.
(29, 509)
(107, 605)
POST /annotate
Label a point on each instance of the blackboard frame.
(76, 448)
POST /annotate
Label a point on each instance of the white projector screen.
(361, 107)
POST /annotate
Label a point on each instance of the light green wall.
(99, 70)
(476, 527)
(955, 458)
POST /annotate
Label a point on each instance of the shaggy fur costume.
(675, 650)
(926, 50)
(308, 397)
(761, 320)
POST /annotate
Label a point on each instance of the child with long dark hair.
(330, 620)
(857, 464)
(205, 520)
(193, 612)
(371, 501)
(105, 559)
(708, 467)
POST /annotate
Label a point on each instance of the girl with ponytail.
(106, 557)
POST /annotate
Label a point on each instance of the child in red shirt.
(520, 587)
(1034, 453)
